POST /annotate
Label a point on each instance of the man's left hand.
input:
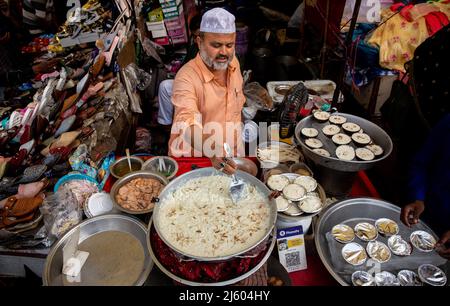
(441, 247)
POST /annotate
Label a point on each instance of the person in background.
(430, 186)
(165, 110)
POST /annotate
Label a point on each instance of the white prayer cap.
(218, 20)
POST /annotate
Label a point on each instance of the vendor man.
(208, 95)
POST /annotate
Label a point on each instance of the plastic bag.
(61, 212)
(81, 162)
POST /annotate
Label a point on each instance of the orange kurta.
(200, 100)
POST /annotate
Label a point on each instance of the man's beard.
(212, 64)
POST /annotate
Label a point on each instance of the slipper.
(69, 102)
(15, 207)
(32, 174)
(31, 190)
(63, 141)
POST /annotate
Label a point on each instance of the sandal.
(31, 190)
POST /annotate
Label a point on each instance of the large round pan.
(183, 179)
(377, 134)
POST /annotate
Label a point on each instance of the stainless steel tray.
(378, 135)
(181, 180)
(357, 210)
(104, 261)
(223, 283)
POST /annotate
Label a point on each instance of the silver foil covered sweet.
(354, 254)
(399, 246)
(432, 275)
(408, 278)
(386, 279)
(387, 227)
(343, 233)
(366, 231)
(378, 251)
(423, 241)
(362, 279)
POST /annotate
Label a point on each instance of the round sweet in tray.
(399, 246)
(354, 254)
(361, 139)
(343, 233)
(364, 154)
(313, 143)
(311, 204)
(386, 227)
(282, 204)
(345, 152)
(408, 278)
(378, 251)
(366, 231)
(330, 130)
(310, 132)
(277, 182)
(376, 149)
(322, 152)
(423, 241)
(341, 139)
(294, 192)
(293, 210)
(351, 128)
(321, 116)
(362, 279)
(307, 182)
(336, 119)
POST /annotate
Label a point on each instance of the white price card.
(291, 248)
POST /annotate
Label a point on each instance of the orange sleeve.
(185, 100)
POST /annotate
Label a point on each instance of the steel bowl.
(120, 167)
(153, 164)
(129, 177)
(273, 164)
(378, 135)
(353, 211)
(183, 179)
(246, 165)
(222, 283)
(52, 274)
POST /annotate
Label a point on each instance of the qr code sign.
(292, 259)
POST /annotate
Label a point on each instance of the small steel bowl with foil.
(432, 275)
(423, 241)
(385, 278)
(399, 246)
(354, 254)
(378, 251)
(409, 278)
(362, 279)
(366, 231)
(343, 233)
(386, 227)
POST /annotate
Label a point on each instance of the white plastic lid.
(99, 204)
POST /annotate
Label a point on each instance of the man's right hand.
(226, 165)
(410, 213)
